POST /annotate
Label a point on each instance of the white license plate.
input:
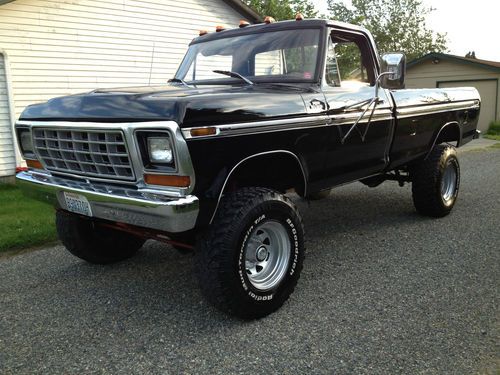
(77, 203)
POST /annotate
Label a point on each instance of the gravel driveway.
(383, 291)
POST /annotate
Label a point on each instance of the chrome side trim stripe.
(261, 126)
(345, 118)
(429, 109)
(258, 127)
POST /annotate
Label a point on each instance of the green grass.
(493, 131)
(492, 136)
(24, 222)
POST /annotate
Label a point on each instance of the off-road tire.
(220, 254)
(93, 242)
(436, 181)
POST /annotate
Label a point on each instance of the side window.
(332, 71)
(350, 63)
(348, 60)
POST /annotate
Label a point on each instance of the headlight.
(160, 150)
(26, 143)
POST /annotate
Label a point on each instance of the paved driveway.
(383, 291)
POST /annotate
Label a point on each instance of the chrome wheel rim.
(267, 254)
(449, 182)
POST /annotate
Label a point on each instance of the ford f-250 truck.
(205, 161)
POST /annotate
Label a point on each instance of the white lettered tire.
(249, 262)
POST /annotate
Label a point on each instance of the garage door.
(7, 159)
(488, 91)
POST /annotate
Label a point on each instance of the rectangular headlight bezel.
(25, 143)
(142, 137)
(155, 145)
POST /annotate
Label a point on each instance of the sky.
(470, 25)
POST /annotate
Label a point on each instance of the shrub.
(494, 128)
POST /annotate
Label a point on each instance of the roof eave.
(244, 10)
(456, 59)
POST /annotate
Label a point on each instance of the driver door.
(359, 139)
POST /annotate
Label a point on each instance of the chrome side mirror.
(394, 65)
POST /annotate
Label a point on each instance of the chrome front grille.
(99, 153)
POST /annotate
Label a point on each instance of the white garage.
(488, 89)
(443, 70)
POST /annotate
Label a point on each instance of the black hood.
(188, 106)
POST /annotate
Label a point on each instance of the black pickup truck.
(206, 161)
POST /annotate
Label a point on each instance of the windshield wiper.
(178, 80)
(233, 75)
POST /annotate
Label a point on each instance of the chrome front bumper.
(145, 208)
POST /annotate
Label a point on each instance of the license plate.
(77, 203)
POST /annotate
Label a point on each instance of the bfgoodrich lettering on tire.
(435, 182)
(250, 260)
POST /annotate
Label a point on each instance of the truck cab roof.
(278, 26)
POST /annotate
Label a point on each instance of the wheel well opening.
(278, 171)
(450, 133)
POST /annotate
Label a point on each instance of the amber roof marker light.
(299, 17)
(219, 28)
(269, 20)
(244, 23)
(203, 32)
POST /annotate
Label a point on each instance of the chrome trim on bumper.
(145, 208)
(181, 151)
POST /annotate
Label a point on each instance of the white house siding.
(455, 74)
(7, 159)
(61, 47)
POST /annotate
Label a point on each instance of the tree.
(396, 25)
(283, 10)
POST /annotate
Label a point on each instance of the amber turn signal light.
(200, 132)
(167, 180)
(299, 17)
(34, 164)
(269, 20)
(244, 23)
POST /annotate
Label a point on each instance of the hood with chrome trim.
(188, 106)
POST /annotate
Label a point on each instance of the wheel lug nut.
(261, 254)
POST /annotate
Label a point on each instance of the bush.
(494, 128)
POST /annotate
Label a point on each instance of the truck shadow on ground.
(159, 280)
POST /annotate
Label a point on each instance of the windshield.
(277, 56)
